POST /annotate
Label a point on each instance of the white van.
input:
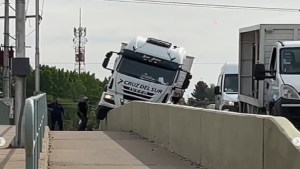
(226, 91)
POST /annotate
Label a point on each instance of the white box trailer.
(256, 45)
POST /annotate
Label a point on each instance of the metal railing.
(35, 122)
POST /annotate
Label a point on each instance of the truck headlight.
(109, 96)
(288, 92)
(226, 102)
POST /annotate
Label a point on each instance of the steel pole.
(20, 89)
(37, 50)
(6, 78)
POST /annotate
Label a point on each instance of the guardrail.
(35, 122)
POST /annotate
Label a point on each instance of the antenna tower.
(79, 41)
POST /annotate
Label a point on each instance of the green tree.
(202, 95)
(200, 91)
(210, 92)
(70, 87)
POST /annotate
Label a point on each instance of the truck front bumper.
(234, 108)
(289, 109)
(105, 105)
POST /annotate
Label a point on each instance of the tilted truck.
(269, 70)
(145, 69)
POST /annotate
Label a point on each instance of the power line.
(25, 36)
(26, 9)
(43, 5)
(206, 5)
(42, 10)
(69, 63)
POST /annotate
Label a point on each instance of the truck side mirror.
(186, 81)
(189, 76)
(217, 90)
(259, 72)
(105, 62)
(108, 54)
(185, 84)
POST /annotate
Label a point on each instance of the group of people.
(57, 114)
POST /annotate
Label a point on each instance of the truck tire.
(102, 112)
(175, 100)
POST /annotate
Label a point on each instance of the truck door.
(218, 98)
(272, 84)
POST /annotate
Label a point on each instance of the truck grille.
(127, 97)
(143, 95)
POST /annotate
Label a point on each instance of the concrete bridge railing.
(215, 139)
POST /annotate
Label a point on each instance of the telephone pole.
(6, 60)
(20, 89)
(79, 44)
(37, 48)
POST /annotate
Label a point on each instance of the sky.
(208, 34)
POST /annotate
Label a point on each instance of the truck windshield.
(290, 61)
(146, 72)
(231, 83)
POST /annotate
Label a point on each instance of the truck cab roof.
(154, 47)
(229, 68)
(287, 44)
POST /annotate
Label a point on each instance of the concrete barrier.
(121, 119)
(215, 139)
(231, 140)
(158, 125)
(185, 132)
(279, 149)
(140, 119)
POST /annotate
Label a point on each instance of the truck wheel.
(175, 100)
(102, 112)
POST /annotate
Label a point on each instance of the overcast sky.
(208, 34)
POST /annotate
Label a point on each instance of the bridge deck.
(14, 158)
(110, 150)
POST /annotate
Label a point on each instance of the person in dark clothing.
(82, 110)
(56, 114)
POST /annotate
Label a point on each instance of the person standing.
(56, 114)
(82, 110)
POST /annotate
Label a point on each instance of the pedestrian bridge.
(155, 136)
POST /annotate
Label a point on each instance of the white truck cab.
(226, 91)
(282, 80)
(146, 69)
